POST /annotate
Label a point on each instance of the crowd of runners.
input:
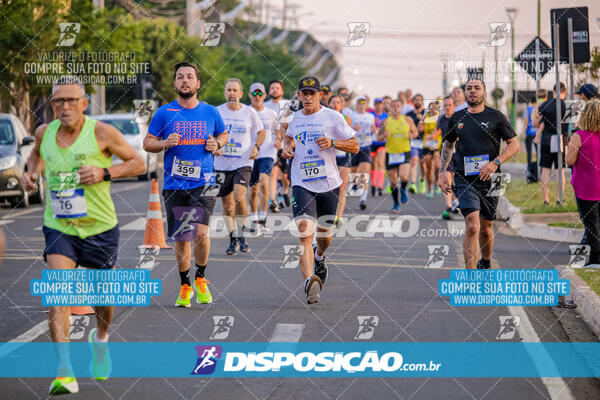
(306, 153)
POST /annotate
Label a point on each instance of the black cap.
(590, 91)
(310, 83)
(325, 88)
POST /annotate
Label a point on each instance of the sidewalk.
(534, 226)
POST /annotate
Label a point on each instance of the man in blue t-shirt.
(530, 129)
(189, 132)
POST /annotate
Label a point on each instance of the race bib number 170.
(313, 170)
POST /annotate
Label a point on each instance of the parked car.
(15, 147)
(134, 132)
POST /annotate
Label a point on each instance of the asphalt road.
(386, 277)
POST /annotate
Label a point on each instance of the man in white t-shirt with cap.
(263, 164)
(312, 137)
(234, 166)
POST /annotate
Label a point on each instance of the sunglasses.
(257, 93)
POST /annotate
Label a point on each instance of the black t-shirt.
(479, 134)
(417, 116)
(443, 123)
(548, 112)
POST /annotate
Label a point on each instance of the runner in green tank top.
(80, 223)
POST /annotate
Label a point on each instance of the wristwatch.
(257, 147)
(333, 143)
(497, 161)
(219, 145)
(106, 175)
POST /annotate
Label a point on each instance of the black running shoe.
(320, 268)
(232, 249)
(373, 191)
(273, 207)
(286, 200)
(480, 265)
(363, 205)
(244, 248)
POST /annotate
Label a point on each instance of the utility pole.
(98, 98)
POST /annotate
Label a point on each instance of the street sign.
(581, 35)
(533, 62)
(524, 96)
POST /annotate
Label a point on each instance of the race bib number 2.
(68, 203)
(474, 163)
(313, 170)
(185, 169)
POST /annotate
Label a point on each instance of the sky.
(406, 39)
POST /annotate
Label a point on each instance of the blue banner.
(503, 287)
(323, 359)
(95, 287)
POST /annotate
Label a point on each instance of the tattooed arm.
(446, 156)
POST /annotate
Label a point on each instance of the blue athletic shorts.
(261, 166)
(97, 251)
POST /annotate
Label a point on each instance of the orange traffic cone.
(82, 310)
(155, 232)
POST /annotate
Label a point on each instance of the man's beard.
(478, 102)
(186, 95)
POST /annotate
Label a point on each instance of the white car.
(134, 132)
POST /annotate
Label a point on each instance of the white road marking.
(25, 337)
(287, 333)
(6, 221)
(138, 224)
(557, 388)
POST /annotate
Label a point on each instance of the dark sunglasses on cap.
(257, 93)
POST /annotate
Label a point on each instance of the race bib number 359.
(68, 203)
(313, 170)
(185, 169)
(474, 163)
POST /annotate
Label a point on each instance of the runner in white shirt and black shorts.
(267, 155)
(234, 166)
(311, 139)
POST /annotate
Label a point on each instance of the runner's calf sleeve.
(395, 194)
(200, 269)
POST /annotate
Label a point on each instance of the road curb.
(588, 302)
(513, 217)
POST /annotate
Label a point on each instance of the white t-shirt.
(461, 106)
(347, 111)
(268, 118)
(243, 126)
(406, 108)
(277, 107)
(313, 169)
(366, 120)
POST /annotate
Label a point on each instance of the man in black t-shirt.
(479, 130)
(416, 146)
(549, 132)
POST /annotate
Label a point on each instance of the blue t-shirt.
(379, 118)
(531, 130)
(194, 166)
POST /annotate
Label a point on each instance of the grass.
(571, 225)
(528, 198)
(591, 277)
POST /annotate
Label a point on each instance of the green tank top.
(71, 208)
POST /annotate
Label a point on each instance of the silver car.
(15, 146)
(134, 132)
